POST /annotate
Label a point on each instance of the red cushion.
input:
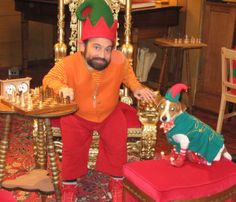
(55, 122)
(163, 182)
(130, 114)
(6, 196)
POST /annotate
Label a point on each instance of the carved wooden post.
(127, 47)
(40, 146)
(52, 158)
(4, 146)
(148, 116)
(60, 47)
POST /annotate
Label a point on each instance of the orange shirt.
(96, 92)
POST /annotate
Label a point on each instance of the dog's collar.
(167, 125)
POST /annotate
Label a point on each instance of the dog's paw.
(171, 156)
(196, 158)
(178, 162)
(163, 156)
(166, 126)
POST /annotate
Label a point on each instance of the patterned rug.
(20, 160)
(93, 186)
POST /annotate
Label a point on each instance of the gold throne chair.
(141, 142)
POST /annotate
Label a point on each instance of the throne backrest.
(60, 47)
(137, 145)
(75, 26)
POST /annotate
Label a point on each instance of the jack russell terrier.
(190, 137)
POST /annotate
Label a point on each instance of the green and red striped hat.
(173, 93)
(97, 20)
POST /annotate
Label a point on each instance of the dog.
(192, 139)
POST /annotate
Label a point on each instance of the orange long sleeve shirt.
(96, 92)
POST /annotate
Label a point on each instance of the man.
(92, 77)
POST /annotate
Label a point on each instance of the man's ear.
(81, 45)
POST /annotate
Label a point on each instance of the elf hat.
(97, 20)
(173, 94)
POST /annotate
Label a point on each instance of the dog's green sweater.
(203, 139)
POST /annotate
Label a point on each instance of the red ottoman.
(6, 196)
(157, 180)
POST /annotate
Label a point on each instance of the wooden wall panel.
(10, 40)
(193, 28)
(218, 31)
(10, 55)
(10, 28)
(40, 41)
(40, 37)
(7, 8)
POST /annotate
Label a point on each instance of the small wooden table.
(37, 179)
(168, 43)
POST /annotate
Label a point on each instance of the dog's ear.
(159, 100)
(183, 106)
(158, 97)
(161, 103)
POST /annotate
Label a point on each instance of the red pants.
(77, 137)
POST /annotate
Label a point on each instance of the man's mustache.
(98, 58)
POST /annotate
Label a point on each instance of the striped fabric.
(97, 76)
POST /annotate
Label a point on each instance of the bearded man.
(92, 77)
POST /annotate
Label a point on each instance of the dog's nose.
(164, 118)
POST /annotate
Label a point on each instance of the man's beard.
(97, 63)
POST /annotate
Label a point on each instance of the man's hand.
(144, 94)
(67, 92)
